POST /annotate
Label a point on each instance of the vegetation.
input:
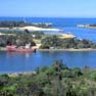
(16, 38)
(42, 25)
(58, 43)
(37, 35)
(12, 24)
(21, 38)
(57, 80)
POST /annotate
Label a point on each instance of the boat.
(13, 48)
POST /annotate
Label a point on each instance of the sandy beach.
(34, 28)
(31, 28)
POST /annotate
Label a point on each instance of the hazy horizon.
(46, 17)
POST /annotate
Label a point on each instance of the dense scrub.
(57, 80)
(16, 38)
(12, 24)
(55, 42)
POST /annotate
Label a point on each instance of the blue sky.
(48, 8)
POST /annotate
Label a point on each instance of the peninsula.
(40, 36)
(87, 26)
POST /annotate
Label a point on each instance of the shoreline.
(3, 49)
(15, 74)
(70, 49)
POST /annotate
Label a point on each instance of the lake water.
(16, 62)
(19, 62)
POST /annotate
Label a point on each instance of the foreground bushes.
(57, 80)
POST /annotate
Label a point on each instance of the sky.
(48, 8)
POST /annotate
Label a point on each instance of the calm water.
(17, 62)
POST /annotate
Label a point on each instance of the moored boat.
(13, 48)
